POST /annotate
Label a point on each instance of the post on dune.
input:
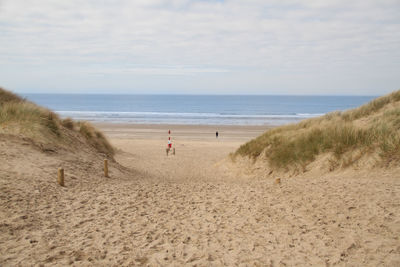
(106, 168)
(60, 178)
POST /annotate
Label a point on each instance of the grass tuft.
(68, 123)
(95, 137)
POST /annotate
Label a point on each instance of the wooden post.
(278, 181)
(167, 150)
(106, 168)
(173, 151)
(60, 179)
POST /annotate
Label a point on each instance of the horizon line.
(188, 94)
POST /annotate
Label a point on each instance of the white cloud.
(160, 70)
(224, 46)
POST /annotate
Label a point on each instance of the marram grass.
(339, 133)
(18, 116)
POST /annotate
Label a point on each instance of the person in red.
(169, 131)
(169, 142)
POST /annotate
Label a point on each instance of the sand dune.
(188, 209)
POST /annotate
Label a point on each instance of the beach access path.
(188, 209)
(207, 215)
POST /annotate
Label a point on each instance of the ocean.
(195, 109)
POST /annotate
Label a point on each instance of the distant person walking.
(169, 145)
(216, 134)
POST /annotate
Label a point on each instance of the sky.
(349, 47)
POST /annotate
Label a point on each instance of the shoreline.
(181, 131)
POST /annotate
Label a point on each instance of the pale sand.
(188, 209)
(197, 148)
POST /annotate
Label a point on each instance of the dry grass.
(373, 106)
(95, 137)
(28, 118)
(297, 145)
(68, 123)
(7, 96)
(18, 116)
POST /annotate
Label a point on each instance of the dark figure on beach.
(216, 134)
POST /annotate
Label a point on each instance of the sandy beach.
(198, 151)
(190, 209)
(199, 133)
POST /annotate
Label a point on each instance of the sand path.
(185, 210)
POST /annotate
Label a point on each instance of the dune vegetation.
(24, 118)
(371, 129)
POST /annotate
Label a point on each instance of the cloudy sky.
(200, 46)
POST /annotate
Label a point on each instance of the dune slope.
(368, 136)
(24, 119)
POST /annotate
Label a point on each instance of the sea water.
(195, 109)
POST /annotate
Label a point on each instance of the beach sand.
(190, 208)
(198, 151)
